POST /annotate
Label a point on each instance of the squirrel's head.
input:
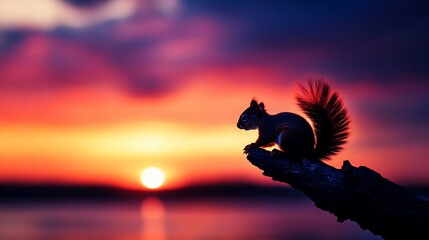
(249, 119)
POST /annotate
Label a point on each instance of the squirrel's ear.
(261, 106)
(253, 103)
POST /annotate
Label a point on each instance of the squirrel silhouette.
(292, 133)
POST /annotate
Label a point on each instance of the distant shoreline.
(54, 192)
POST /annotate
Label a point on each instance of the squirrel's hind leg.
(277, 154)
(294, 144)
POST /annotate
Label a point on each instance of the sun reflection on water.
(153, 213)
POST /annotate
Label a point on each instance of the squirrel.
(292, 133)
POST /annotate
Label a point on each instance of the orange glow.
(192, 141)
(113, 153)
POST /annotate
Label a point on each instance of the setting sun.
(152, 177)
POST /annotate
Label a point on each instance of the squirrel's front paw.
(248, 147)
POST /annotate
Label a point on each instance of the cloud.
(379, 41)
(50, 14)
(148, 55)
(153, 53)
(86, 3)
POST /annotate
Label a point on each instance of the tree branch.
(356, 193)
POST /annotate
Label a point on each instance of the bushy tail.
(329, 117)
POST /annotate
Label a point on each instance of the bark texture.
(356, 193)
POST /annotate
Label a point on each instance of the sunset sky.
(93, 92)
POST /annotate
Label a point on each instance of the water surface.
(157, 219)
